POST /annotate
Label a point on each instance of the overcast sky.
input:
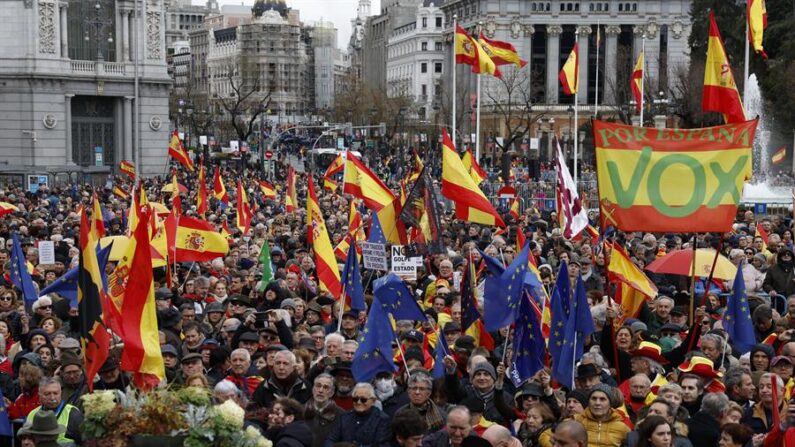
(340, 12)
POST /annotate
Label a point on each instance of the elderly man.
(68, 415)
(73, 379)
(759, 416)
(241, 362)
(283, 382)
(662, 313)
(570, 433)
(320, 412)
(704, 427)
(364, 425)
(457, 428)
(482, 384)
(639, 389)
(420, 387)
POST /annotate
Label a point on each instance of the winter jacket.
(321, 422)
(758, 419)
(608, 433)
(439, 438)
(497, 408)
(295, 434)
(371, 429)
(779, 278)
(268, 391)
(703, 430)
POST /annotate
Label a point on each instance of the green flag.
(265, 260)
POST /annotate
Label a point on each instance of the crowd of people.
(283, 349)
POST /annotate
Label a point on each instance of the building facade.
(182, 17)
(69, 99)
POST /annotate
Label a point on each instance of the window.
(438, 22)
(438, 46)
(437, 67)
(424, 46)
(424, 91)
(424, 67)
(424, 22)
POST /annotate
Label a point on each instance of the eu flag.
(737, 319)
(578, 328)
(374, 353)
(559, 301)
(66, 285)
(397, 298)
(5, 422)
(20, 276)
(529, 345)
(352, 281)
(506, 304)
(438, 361)
(493, 311)
(376, 235)
(469, 309)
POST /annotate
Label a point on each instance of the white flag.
(572, 216)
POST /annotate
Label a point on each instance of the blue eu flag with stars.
(737, 318)
(374, 353)
(376, 235)
(495, 308)
(397, 298)
(559, 302)
(438, 361)
(20, 276)
(66, 285)
(578, 328)
(528, 344)
(352, 281)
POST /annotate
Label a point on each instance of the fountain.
(759, 189)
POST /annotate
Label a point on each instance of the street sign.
(268, 154)
(760, 208)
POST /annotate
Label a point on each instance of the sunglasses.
(360, 400)
(7, 298)
(45, 307)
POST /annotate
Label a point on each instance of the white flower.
(231, 413)
(98, 404)
(252, 433)
(264, 442)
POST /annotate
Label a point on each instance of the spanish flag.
(391, 225)
(515, 209)
(291, 200)
(219, 189)
(141, 354)
(120, 193)
(243, 209)
(414, 174)
(637, 82)
(201, 196)
(192, 239)
(335, 167)
(177, 151)
(502, 53)
(7, 208)
(634, 287)
(97, 222)
(471, 204)
(757, 23)
(468, 51)
(328, 273)
(570, 73)
(361, 182)
(91, 296)
(355, 233)
(268, 191)
(128, 168)
(471, 165)
(720, 91)
(779, 155)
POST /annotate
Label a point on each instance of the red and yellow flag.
(720, 91)
(128, 168)
(243, 209)
(91, 297)
(570, 73)
(471, 204)
(335, 167)
(392, 226)
(469, 51)
(355, 233)
(637, 82)
(361, 182)
(502, 53)
(97, 221)
(757, 23)
(177, 151)
(328, 273)
(268, 191)
(219, 189)
(120, 193)
(141, 354)
(414, 174)
(471, 165)
(515, 209)
(291, 200)
(779, 155)
(201, 196)
(192, 239)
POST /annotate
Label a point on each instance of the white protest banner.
(46, 252)
(374, 256)
(403, 265)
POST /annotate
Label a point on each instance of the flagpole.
(573, 355)
(642, 75)
(477, 123)
(403, 356)
(596, 98)
(342, 308)
(576, 114)
(453, 69)
(746, 71)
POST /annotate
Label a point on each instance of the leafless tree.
(510, 99)
(248, 97)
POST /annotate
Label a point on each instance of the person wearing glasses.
(420, 388)
(365, 425)
(320, 412)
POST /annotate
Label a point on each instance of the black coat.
(295, 434)
(268, 391)
(367, 430)
(703, 430)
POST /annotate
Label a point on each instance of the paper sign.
(403, 265)
(46, 252)
(203, 139)
(374, 256)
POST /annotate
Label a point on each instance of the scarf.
(431, 414)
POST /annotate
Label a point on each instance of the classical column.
(128, 130)
(583, 38)
(64, 30)
(553, 62)
(125, 35)
(131, 34)
(652, 55)
(637, 44)
(67, 122)
(611, 55)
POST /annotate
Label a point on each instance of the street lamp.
(100, 24)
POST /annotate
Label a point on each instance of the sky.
(340, 12)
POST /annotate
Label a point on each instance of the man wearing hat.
(704, 368)
(73, 379)
(591, 280)
(68, 415)
(350, 322)
(111, 377)
(343, 384)
(191, 365)
(43, 428)
(482, 384)
(171, 362)
(600, 420)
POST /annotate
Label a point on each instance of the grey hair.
(459, 409)
(670, 386)
(201, 281)
(714, 404)
(779, 380)
(334, 336)
(597, 357)
(289, 355)
(655, 366)
(714, 338)
(245, 353)
(663, 297)
(599, 314)
(353, 343)
(45, 381)
(328, 376)
(364, 386)
(420, 376)
(227, 386)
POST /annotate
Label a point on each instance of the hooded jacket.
(780, 276)
(607, 433)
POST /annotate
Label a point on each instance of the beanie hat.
(607, 389)
(580, 395)
(484, 366)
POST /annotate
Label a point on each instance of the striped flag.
(328, 273)
(469, 51)
(219, 189)
(720, 91)
(334, 168)
(475, 171)
(177, 151)
(779, 155)
(243, 209)
(637, 83)
(97, 220)
(515, 209)
(268, 191)
(7, 208)
(291, 200)
(572, 214)
(502, 53)
(361, 182)
(128, 168)
(570, 73)
(201, 196)
(757, 23)
(120, 193)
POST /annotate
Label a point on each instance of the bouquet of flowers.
(222, 426)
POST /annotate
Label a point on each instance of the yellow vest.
(63, 419)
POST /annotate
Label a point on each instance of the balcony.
(99, 68)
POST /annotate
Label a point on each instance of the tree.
(247, 99)
(510, 99)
